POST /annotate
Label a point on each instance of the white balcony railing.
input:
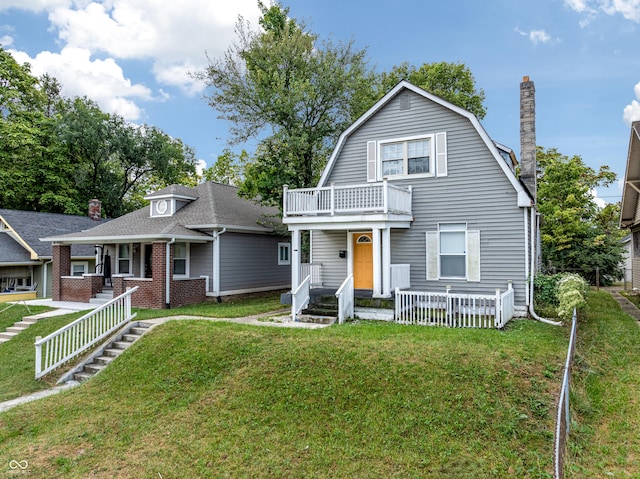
(347, 199)
(314, 270)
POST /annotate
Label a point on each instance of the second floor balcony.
(344, 200)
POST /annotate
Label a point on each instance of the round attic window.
(161, 207)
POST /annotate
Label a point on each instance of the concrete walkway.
(272, 319)
(626, 305)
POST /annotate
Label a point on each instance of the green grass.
(366, 400)
(17, 356)
(605, 437)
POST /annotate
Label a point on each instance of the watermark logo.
(13, 464)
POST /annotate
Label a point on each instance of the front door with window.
(362, 261)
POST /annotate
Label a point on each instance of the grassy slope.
(200, 399)
(605, 439)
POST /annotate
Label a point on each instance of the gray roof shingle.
(31, 226)
(215, 206)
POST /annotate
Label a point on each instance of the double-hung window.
(284, 253)
(453, 252)
(124, 258)
(180, 259)
(407, 157)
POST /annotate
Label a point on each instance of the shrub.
(545, 288)
(572, 293)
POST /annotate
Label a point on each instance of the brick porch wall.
(152, 292)
(80, 288)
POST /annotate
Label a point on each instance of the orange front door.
(362, 261)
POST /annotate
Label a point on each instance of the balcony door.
(362, 261)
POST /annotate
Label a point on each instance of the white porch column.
(295, 258)
(377, 260)
(386, 262)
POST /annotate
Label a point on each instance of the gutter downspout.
(167, 282)
(534, 230)
(216, 262)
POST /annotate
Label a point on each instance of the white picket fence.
(78, 336)
(454, 310)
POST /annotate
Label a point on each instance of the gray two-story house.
(417, 196)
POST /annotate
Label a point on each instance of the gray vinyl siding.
(251, 261)
(326, 245)
(476, 192)
(201, 261)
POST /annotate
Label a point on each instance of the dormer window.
(161, 207)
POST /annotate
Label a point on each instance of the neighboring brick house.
(187, 244)
(25, 260)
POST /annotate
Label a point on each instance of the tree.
(228, 168)
(452, 81)
(281, 80)
(575, 232)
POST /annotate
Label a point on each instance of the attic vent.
(405, 103)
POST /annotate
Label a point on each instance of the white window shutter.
(432, 255)
(473, 255)
(441, 154)
(371, 161)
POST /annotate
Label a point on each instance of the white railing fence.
(346, 300)
(78, 336)
(563, 419)
(314, 270)
(370, 197)
(300, 297)
(453, 310)
(400, 276)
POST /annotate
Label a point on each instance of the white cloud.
(173, 35)
(168, 39)
(537, 36)
(6, 41)
(629, 9)
(631, 112)
(100, 80)
(598, 201)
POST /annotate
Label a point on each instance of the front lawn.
(366, 400)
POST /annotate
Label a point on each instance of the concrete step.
(131, 337)
(94, 368)
(121, 344)
(113, 352)
(139, 330)
(7, 335)
(104, 359)
(82, 376)
(104, 295)
(16, 328)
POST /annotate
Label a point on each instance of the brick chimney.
(95, 209)
(528, 169)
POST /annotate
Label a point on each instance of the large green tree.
(452, 81)
(56, 154)
(280, 84)
(575, 232)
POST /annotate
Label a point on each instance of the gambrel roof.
(629, 214)
(498, 151)
(209, 206)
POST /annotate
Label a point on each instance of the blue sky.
(133, 58)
